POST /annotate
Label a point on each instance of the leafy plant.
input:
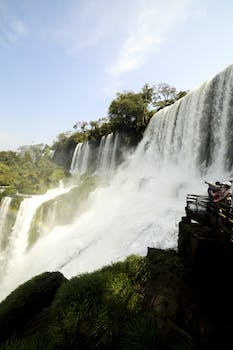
(37, 342)
(93, 309)
(140, 333)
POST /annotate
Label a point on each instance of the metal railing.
(217, 215)
(197, 203)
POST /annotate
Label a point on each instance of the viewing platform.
(218, 217)
(206, 230)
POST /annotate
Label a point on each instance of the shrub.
(24, 303)
(31, 343)
(92, 311)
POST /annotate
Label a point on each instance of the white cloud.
(153, 23)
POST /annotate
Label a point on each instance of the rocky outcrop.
(25, 308)
(167, 300)
(211, 260)
(63, 155)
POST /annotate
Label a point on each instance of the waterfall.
(85, 160)
(113, 155)
(196, 132)
(4, 208)
(76, 159)
(18, 238)
(80, 159)
(183, 145)
(106, 160)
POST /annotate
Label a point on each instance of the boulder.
(26, 302)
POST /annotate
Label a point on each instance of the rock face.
(25, 308)
(165, 293)
(211, 261)
(179, 300)
(63, 155)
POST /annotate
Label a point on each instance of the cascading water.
(113, 153)
(183, 144)
(105, 158)
(18, 237)
(4, 208)
(76, 159)
(106, 161)
(80, 159)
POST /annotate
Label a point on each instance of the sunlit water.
(182, 146)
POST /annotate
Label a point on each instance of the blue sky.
(63, 61)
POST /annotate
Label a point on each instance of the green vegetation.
(112, 308)
(164, 259)
(30, 343)
(63, 209)
(27, 302)
(128, 114)
(107, 309)
(31, 171)
(93, 311)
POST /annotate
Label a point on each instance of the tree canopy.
(29, 171)
(129, 113)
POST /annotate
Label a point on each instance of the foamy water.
(146, 199)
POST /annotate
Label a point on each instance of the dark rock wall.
(212, 261)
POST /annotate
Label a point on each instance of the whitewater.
(183, 145)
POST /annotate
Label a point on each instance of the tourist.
(214, 190)
(225, 196)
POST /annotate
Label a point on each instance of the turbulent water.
(105, 161)
(183, 145)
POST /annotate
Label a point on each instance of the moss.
(61, 210)
(16, 201)
(35, 228)
(92, 310)
(23, 304)
(140, 333)
(37, 342)
(165, 260)
(108, 309)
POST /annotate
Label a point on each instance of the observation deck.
(218, 217)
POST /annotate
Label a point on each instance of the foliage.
(6, 178)
(16, 201)
(26, 301)
(129, 113)
(140, 333)
(30, 171)
(92, 311)
(165, 95)
(67, 207)
(108, 309)
(126, 111)
(165, 259)
(38, 342)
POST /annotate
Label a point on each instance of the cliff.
(166, 300)
(211, 260)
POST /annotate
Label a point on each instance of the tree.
(165, 95)
(127, 111)
(147, 96)
(5, 175)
